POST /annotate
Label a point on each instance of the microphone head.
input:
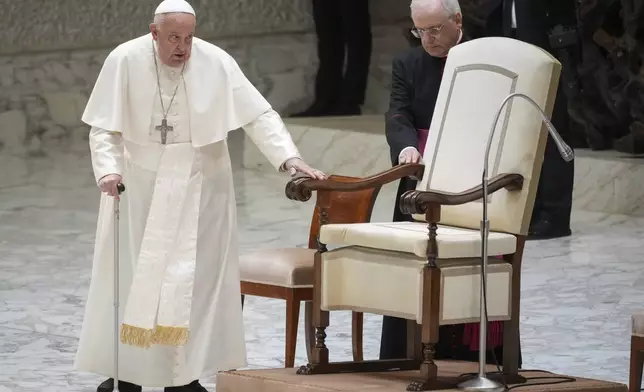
(564, 149)
(566, 153)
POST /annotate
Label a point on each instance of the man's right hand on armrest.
(409, 155)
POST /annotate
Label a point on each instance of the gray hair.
(451, 7)
(160, 18)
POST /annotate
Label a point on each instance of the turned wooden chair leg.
(428, 332)
(637, 364)
(320, 352)
(309, 329)
(292, 318)
(357, 323)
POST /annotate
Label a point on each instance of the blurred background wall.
(51, 52)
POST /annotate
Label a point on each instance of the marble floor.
(578, 293)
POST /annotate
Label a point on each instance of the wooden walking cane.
(121, 189)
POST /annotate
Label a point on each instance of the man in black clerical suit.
(531, 21)
(341, 26)
(416, 78)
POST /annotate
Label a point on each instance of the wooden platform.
(285, 380)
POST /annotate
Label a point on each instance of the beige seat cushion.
(391, 284)
(411, 237)
(637, 324)
(290, 267)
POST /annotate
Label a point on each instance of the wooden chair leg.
(292, 318)
(511, 328)
(357, 323)
(320, 353)
(429, 331)
(242, 299)
(309, 329)
(637, 364)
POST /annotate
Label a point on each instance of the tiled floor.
(578, 293)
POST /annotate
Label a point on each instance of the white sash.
(158, 306)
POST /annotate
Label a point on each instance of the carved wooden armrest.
(418, 202)
(301, 189)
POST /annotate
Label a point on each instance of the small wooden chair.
(637, 353)
(288, 273)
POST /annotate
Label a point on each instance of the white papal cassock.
(179, 204)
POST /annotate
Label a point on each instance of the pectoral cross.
(164, 128)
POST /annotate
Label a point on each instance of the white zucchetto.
(172, 6)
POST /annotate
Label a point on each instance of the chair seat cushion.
(637, 324)
(289, 267)
(391, 284)
(412, 237)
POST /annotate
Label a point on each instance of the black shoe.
(546, 230)
(192, 387)
(108, 386)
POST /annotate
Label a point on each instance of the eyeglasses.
(433, 31)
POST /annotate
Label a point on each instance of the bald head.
(173, 33)
(438, 24)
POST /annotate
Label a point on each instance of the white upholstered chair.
(428, 271)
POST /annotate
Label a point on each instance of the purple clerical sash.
(422, 140)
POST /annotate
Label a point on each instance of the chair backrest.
(346, 207)
(478, 76)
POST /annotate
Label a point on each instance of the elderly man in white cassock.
(160, 113)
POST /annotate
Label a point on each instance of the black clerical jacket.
(415, 81)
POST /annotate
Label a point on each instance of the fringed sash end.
(135, 336)
(144, 338)
(170, 336)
